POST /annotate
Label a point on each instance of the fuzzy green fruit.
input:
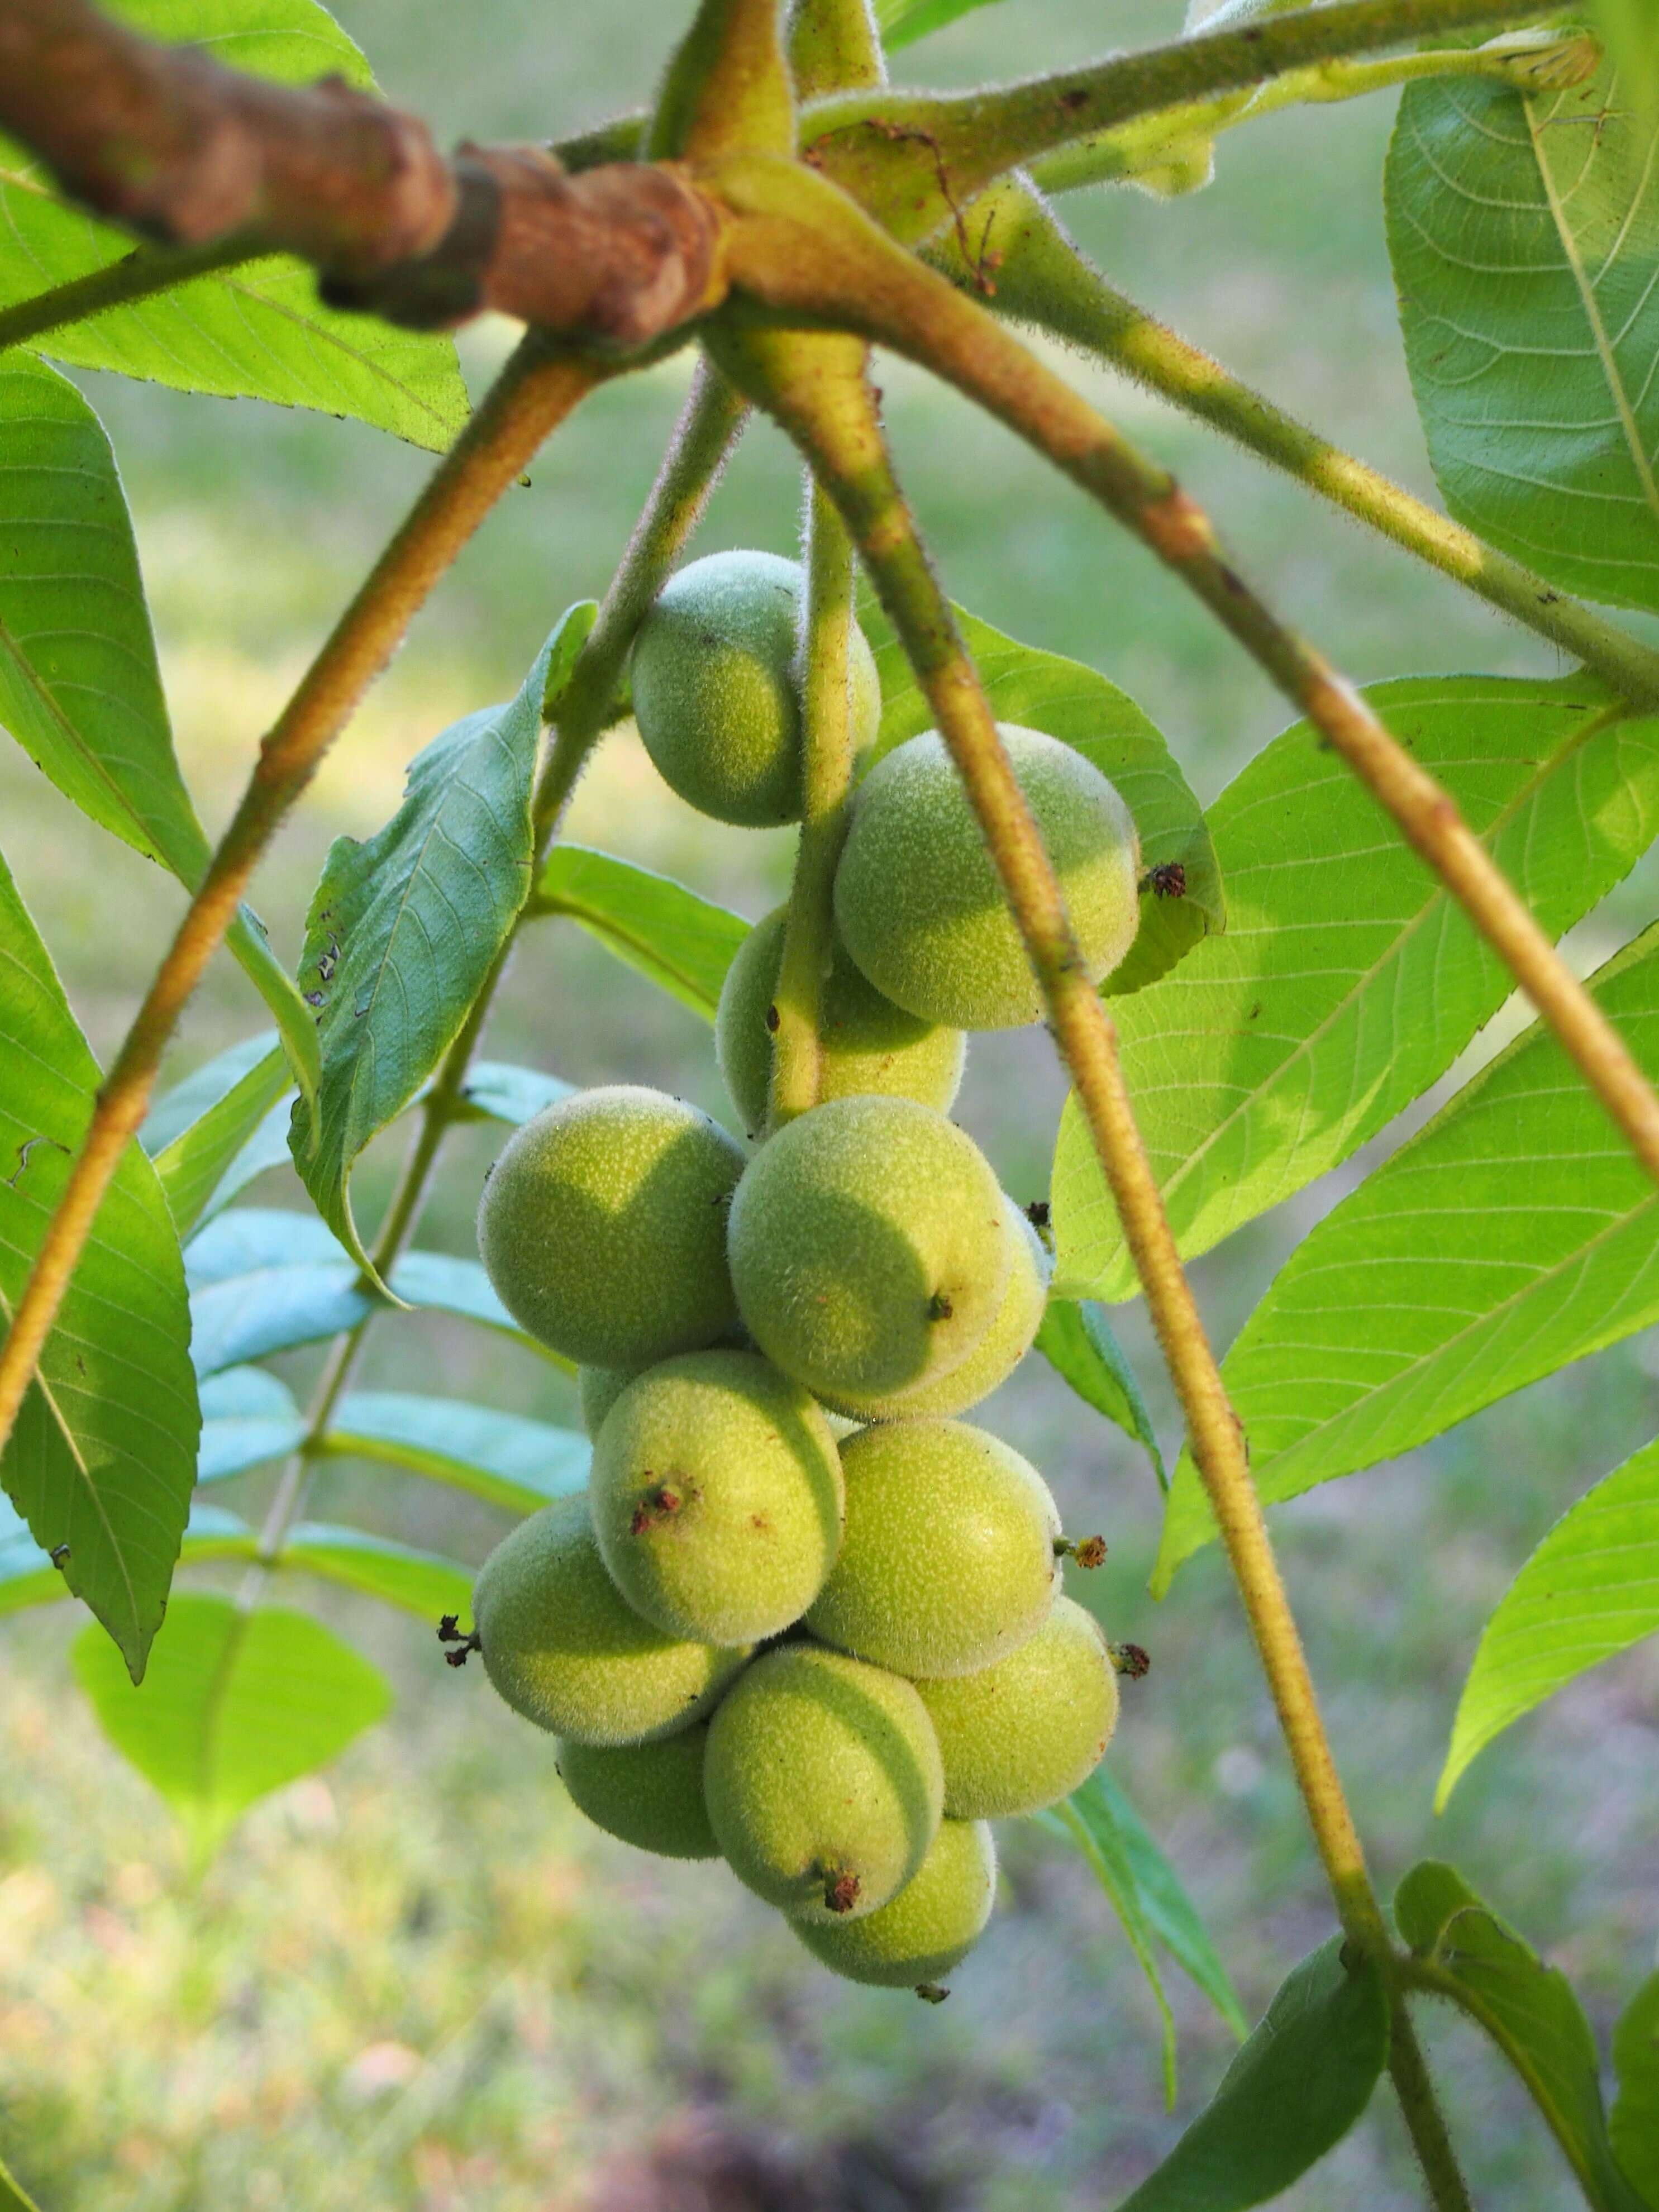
(823, 1782)
(919, 904)
(868, 1044)
(998, 1352)
(717, 690)
(647, 1794)
(948, 1559)
(869, 1248)
(717, 1496)
(929, 1928)
(603, 1226)
(564, 1649)
(598, 1390)
(1030, 1729)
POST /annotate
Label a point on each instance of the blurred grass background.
(419, 1982)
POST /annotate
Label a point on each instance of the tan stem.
(537, 390)
(871, 286)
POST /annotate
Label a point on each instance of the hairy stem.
(135, 276)
(709, 423)
(1408, 2071)
(536, 391)
(1043, 279)
(860, 281)
(827, 782)
(847, 451)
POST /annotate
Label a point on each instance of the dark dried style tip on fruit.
(1131, 1659)
(1088, 1552)
(932, 1993)
(841, 1892)
(1167, 880)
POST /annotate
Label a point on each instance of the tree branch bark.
(188, 152)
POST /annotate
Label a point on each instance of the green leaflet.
(902, 22)
(678, 939)
(495, 1091)
(103, 1454)
(1147, 1896)
(1634, 2123)
(237, 1703)
(1512, 1235)
(404, 927)
(13, 2196)
(510, 1461)
(1292, 2093)
(1349, 979)
(258, 330)
(1045, 691)
(1077, 1341)
(1590, 1590)
(1631, 28)
(1524, 235)
(1463, 1951)
(220, 1151)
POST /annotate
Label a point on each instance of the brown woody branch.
(175, 146)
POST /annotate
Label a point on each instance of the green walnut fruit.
(1028, 1731)
(648, 1794)
(598, 1390)
(603, 1226)
(948, 1559)
(716, 688)
(919, 904)
(717, 1496)
(869, 1248)
(823, 1782)
(868, 1044)
(564, 1649)
(998, 1352)
(929, 1928)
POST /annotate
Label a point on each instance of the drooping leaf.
(237, 1703)
(511, 1461)
(187, 1102)
(1465, 1951)
(502, 1092)
(258, 330)
(903, 22)
(208, 1161)
(103, 1454)
(678, 939)
(1045, 691)
(1512, 1235)
(404, 927)
(1075, 1338)
(261, 1282)
(1590, 1590)
(1633, 2126)
(1300, 2082)
(1146, 1894)
(1524, 234)
(250, 949)
(1349, 979)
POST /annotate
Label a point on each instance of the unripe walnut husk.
(1029, 1730)
(867, 1045)
(929, 1928)
(649, 1794)
(716, 687)
(603, 1226)
(823, 1782)
(869, 1248)
(948, 1560)
(564, 1649)
(717, 1496)
(918, 901)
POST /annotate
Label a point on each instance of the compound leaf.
(675, 938)
(1076, 1340)
(103, 1454)
(1590, 1590)
(404, 929)
(1513, 1234)
(1349, 979)
(496, 1091)
(1634, 2126)
(237, 1703)
(258, 330)
(1463, 1951)
(1045, 691)
(230, 1141)
(511, 1461)
(1524, 234)
(1300, 2082)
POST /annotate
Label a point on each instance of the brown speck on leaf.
(59, 1556)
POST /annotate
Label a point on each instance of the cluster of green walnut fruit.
(805, 1617)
